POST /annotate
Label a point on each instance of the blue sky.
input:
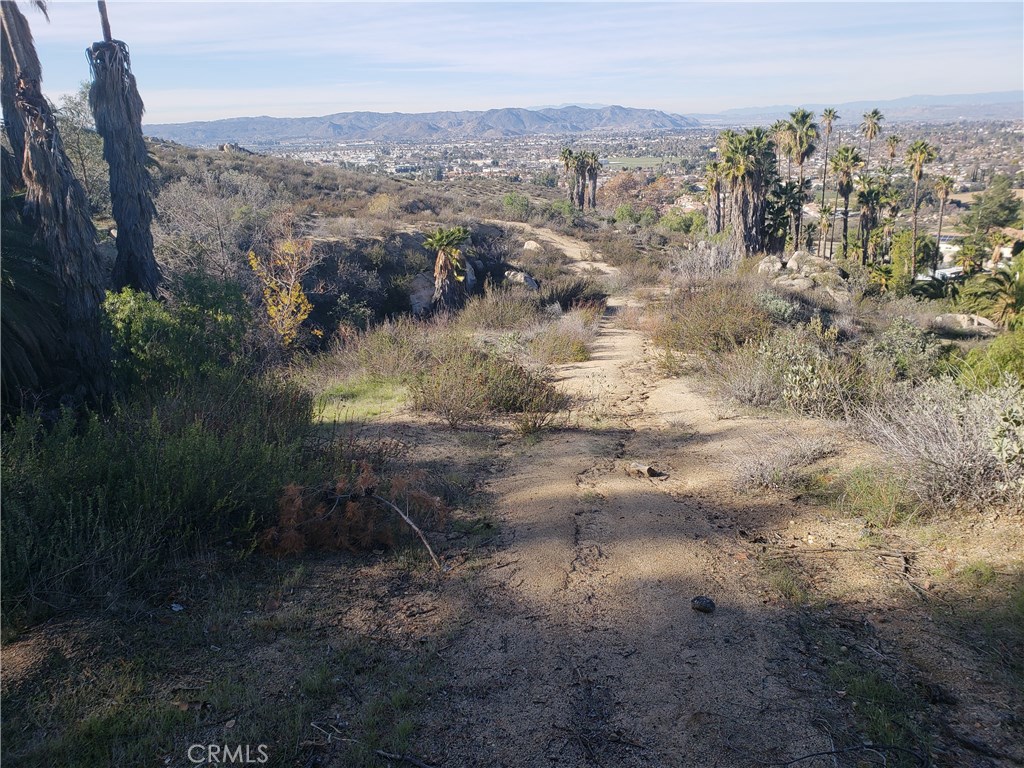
(205, 60)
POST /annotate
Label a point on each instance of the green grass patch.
(361, 399)
(877, 496)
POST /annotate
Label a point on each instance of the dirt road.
(583, 648)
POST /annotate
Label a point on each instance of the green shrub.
(517, 207)
(463, 385)
(94, 507)
(907, 352)
(163, 343)
(1004, 355)
(500, 309)
(570, 292)
(720, 317)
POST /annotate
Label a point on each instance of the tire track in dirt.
(582, 648)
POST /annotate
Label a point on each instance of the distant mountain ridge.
(426, 126)
(996, 105)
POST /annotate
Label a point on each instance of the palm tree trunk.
(938, 237)
(56, 205)
(117, 108)
(824, 173)
(832, 229)
(913, 246)
(448, 292)
(798, 224)
(846, 224)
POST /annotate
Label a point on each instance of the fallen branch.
(411, 524)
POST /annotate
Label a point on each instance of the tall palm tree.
(781, 132)
(581, 164)
(593, 169)
(804, 133)
(919, 154)
(892, 141)
(55, 202)
(869, 128)
(828, 118)
(845, 163)
(713, 190)
(449, 266)
(943, 188)
(749, 165)
(568, 158)
(869, 200)
(825, 227)
(117, 108)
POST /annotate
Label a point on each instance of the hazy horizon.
(208, 61)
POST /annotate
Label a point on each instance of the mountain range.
(567, 119)
(426, 126)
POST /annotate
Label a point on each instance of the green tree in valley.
(85, 148)
(919, 153)
(892, 143)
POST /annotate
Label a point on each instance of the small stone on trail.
(643, 470)
(703, 604)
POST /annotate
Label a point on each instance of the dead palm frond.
(56, 205)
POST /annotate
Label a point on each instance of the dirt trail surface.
(580, 253)
(583, 647)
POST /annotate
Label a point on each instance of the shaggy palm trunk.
(938, 237)
(799, 218)
(14, 125)
(913, 241)
(593, 190)
(448, 289)
(846, 223)
(56, 205)
(824, 172)
(117, 108)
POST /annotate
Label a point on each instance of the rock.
(531, 245)
(769, 265)
(962, 322)
(421, 293)
(636, 469)
(790, 283)
(808, 265)
(470, 277)
(515, 276)
(703, 604)
(839, 294)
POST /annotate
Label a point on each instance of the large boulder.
(421, 294)
(965, 323)
(531, 245)
(808, 265)
(523, 278)
(769, 265)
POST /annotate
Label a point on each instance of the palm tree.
(999, 297)
(713, 190)
(943, 188)
(918, 154)
(593, 169)
(804, 134)
(845, 163)
(825, 226)
(568, 158)
(869, 200)
(449, 267)
(781, 132)
(581, 164)
(828, 117)
(749, 162)
(869, 128)
(892, 141)
(117, 108)
(55, 202)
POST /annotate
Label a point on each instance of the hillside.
(427, 126)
